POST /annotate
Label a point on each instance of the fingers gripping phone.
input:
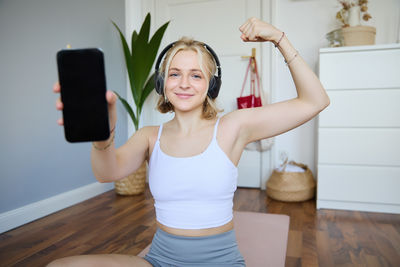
(83, 93)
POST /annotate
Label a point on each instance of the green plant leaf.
(154, 45)
(139, 52)
(139, 61)
(134, 38)
(145, 29)
(129, 63)
(128, 109)
(148, 88)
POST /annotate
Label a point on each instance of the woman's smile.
(184, 95)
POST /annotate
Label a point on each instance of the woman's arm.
(108, 163)
(277, 118)
(111, 164)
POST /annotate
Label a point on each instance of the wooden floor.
(113, 224)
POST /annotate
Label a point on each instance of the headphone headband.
(215, 81)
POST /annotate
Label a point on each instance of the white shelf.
(359, 133)
(359, 48)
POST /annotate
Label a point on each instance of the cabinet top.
(359, 48)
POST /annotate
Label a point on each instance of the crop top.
(193, 192)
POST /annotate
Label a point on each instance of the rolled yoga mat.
(262, 238)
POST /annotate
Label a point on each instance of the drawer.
(360, 69)
(359, 146)
(359, 184)
(362, 108)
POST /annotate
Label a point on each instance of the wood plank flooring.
(110, 223)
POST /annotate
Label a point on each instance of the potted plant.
(139, 61)
(353, 32)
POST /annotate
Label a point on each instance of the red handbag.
(250, 101)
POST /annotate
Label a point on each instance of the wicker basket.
(134, 183)
(359, 35)
(291, 186)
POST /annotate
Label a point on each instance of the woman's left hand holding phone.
(102, 163)
(111, 100)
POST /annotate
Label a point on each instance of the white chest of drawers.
(359, 133)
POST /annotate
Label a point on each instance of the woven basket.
(291, 186)
(134, 183)
(359, 35)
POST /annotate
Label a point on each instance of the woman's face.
(186, 86)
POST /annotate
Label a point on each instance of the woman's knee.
(106, 260)
(58, 263)
(72, 261)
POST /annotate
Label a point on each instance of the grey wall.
(35, 160)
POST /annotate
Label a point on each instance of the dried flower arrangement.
(347, 4)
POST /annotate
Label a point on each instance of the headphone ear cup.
(214, 86)
(159, 84)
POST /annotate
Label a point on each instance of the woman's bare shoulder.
(232, 127)
(229, 121)
(146, 133)
(149, 129)
(228, 128)
(150, 132)
(144, 137)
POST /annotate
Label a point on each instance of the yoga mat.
(262, 238)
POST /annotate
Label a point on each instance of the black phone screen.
(83, 92)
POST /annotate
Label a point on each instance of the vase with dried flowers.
(353, 32)
(349, 14)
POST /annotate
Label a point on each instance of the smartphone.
(82, 80)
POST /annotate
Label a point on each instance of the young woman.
(193, 158)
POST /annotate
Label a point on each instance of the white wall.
(306, 22)
(37, 164)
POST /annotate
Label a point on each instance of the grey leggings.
(215, 250)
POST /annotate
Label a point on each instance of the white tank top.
(193, 192)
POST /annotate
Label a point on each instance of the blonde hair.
(210, 109)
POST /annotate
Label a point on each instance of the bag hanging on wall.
(252, 101)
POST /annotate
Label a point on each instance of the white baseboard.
(360, 206)
(14, 218)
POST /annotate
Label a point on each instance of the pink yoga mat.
(262, 238)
